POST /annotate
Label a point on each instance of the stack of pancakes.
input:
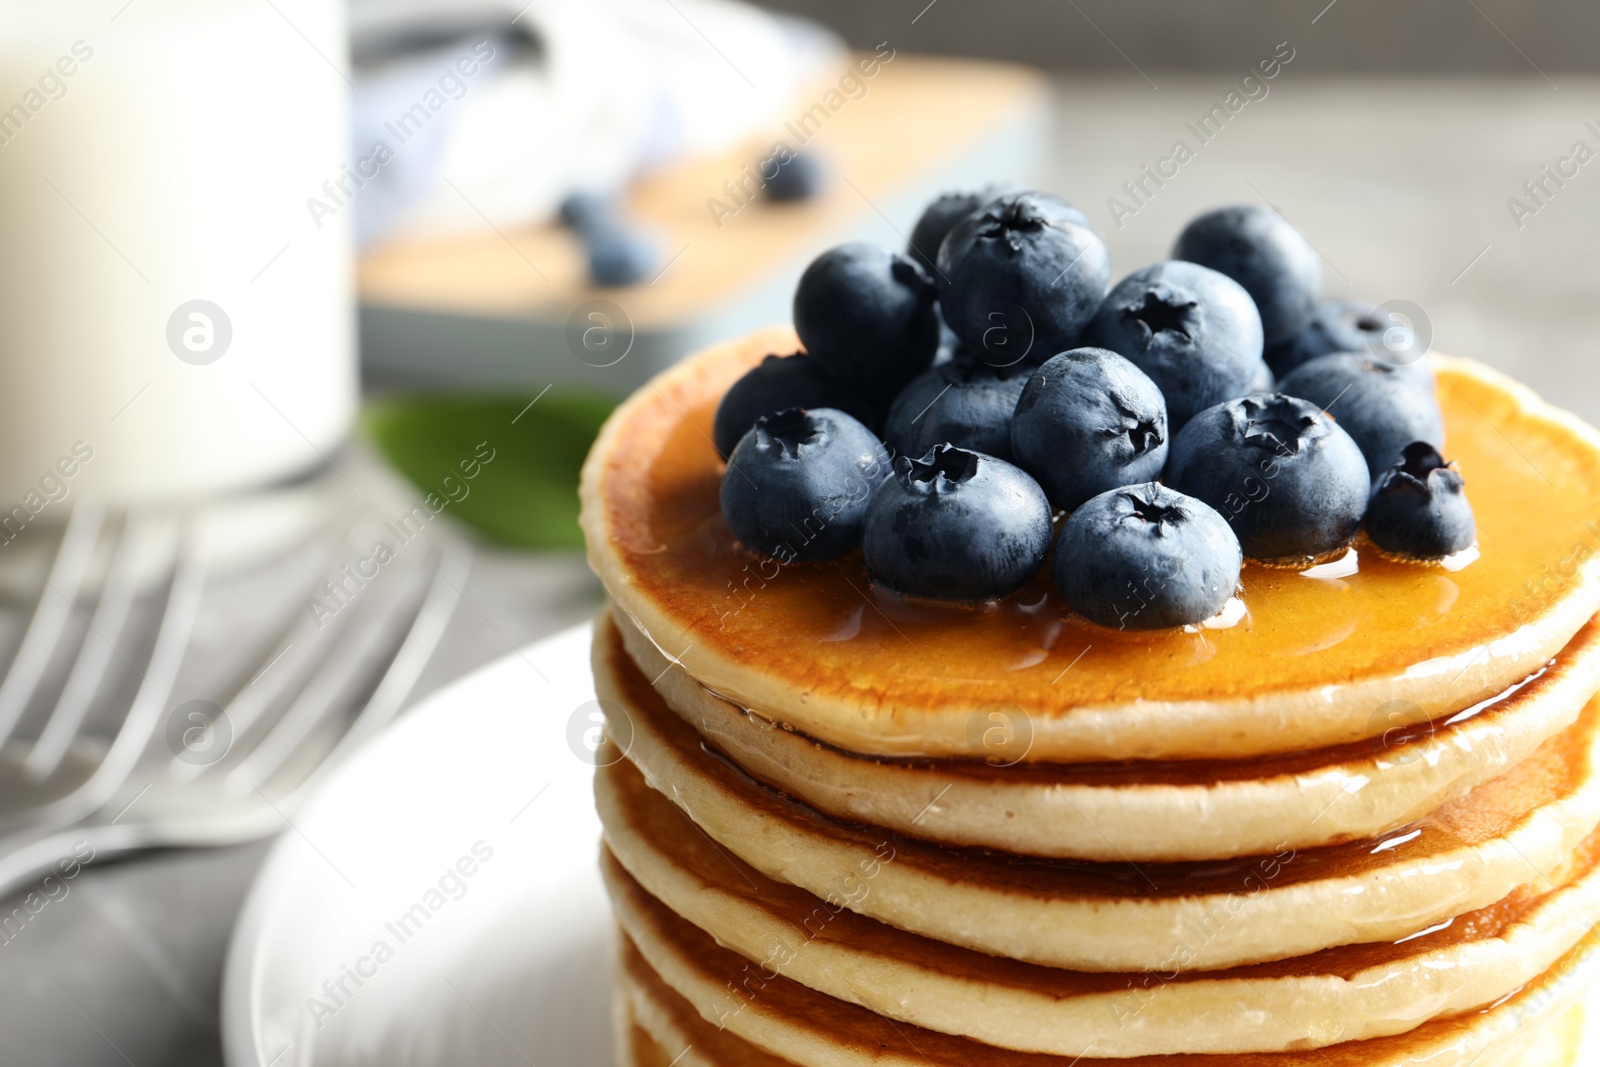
(1354, 824)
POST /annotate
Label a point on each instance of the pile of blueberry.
(950, 403)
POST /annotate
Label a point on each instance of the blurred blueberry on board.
(1144, 557)
(1335, 326)
(796, 176)
(962, 403)
(618, 255)
(1193, 331)
(939, 218)
(1419, 510)
(1382, 406)
(582, 210)
(798, 484)
(780, 382)
(1089, 421)
(1288, 479)
(867, 315)
(1256, 247)
(956, 525)
(1023, 277)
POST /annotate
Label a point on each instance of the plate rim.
(236, 1002)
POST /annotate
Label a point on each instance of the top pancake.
(1314, 662)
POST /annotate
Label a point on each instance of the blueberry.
(1193, 331)
(1418, 510)
(581, 210)
(868, 316)
(949, 343)
(1335, 326)
(1288, 479)
(1265, 381)
(1023, 278)
(796, 176)
(939, 218)
(618, 255)
(1382, 406)
(1089, 421)
(962, 403)
(1144, 557)
(1256, 247)
(956, 525)
(1056, 208)
(798, 484)
(780, 382)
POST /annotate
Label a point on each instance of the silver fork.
(316, 704)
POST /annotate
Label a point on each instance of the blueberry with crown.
(1286, 477)
(1145, 557)
(1022, 278)
(1419, 509)
(1195, 332)
(1089, 421)
(956, 525)
(798, 484)
(939, 218)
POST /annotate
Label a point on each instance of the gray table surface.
(126, 968)
(1401, 184)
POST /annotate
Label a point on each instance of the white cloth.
(576, 94)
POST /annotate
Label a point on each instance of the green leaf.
(507, 469)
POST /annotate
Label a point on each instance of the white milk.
(171, 165)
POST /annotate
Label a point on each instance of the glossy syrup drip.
(1534, 485)
(1557, 769)
(1458, 1039)
(1485, 814)
(649, 815)
(1396, 743)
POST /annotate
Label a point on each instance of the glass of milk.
(174, 322)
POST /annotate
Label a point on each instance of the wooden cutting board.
(493, 308)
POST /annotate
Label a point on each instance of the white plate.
(474, 815)
(512, 965)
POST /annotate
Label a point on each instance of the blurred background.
(282, 281)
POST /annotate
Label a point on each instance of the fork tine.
(414, 654)
(252, 700)
(94, 655)
(426, 631)
(55, 606)
(172, 637)
(320, 697)
(311, 641)
(144, 714)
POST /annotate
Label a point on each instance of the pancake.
(1316, 1001)
(817, 647)
(657, 862)
(687, 992)
(1553, 1044)
(635, 1048)
(1337, 995)
(1160, 811)
(1131, 917)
